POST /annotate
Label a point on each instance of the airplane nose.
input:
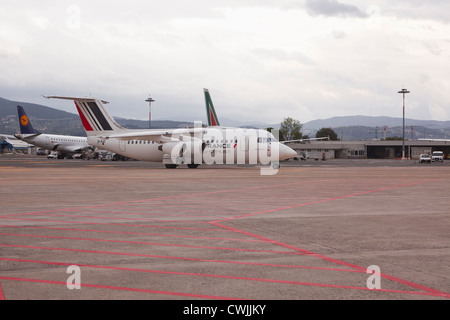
(286, 152)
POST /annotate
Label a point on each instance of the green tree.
(393, 138)
(290, 129)
(327, 132)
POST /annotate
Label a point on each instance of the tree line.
(291, 129)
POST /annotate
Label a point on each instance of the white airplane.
(192, 146)
(64, 145)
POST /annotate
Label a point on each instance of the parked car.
(53, 155)
(425, 158)
(437, 156)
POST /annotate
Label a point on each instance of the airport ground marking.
(360, 269)
(325, 200)
(114, 224)
(132, 233)
(179, 258)
(162, 198)
(120, 218)
(158, 292)
(288, 282)
(431, 291)
(148, 214)
(411, 284)
(2, 296)
(147, 243)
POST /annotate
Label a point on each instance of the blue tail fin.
(25, 124)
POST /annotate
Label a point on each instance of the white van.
(437, 156)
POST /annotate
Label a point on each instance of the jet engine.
(189, 152)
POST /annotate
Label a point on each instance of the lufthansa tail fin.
(96, 120)
(213, 121)
(25, 123)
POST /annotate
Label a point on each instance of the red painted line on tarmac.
(206, 215)
(325, 200)
(178, 258)
(147, 243)
(229, 277)
(431, 291)
(2, 296)
(132, 233)
(149, 201)
(411, 284)
(170, 293)
(114, 224)
(117, 218)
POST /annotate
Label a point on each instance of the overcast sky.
(261, 60)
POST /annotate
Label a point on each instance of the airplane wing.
(10, 136)
(25, 136)
(158, 136)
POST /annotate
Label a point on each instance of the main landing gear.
(173, 166)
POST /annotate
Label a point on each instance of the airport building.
(12, 144)
(375, 149)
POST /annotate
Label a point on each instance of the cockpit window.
(264, 140)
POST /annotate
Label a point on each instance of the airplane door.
(122, 145)
(244, 143)
(49, 143)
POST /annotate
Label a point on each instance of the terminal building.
(374, 149)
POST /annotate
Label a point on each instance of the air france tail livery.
(64, 145)
(211, 145)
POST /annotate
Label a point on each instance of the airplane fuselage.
(216, 145)
(61, 143)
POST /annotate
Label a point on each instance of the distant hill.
(367, 128)
(44, 119)
(372, 122)
(50, 120)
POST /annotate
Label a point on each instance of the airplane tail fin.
(25, 123)
(213, 120)
(94, 117)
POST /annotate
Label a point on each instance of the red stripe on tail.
(86, 124)
(213, 119)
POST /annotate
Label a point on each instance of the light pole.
(403, 91)
(149, 100)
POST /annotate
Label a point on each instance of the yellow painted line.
(101, 165)
(39, 162)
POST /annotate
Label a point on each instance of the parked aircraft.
(64, 145)
(192, 146)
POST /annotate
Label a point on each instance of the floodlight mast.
(150, 100)
(403, 91)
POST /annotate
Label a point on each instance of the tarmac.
(315, 230)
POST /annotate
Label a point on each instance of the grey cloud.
(332, 8)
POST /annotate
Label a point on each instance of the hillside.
(367, 128)
(49, 120)
(366, 121)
